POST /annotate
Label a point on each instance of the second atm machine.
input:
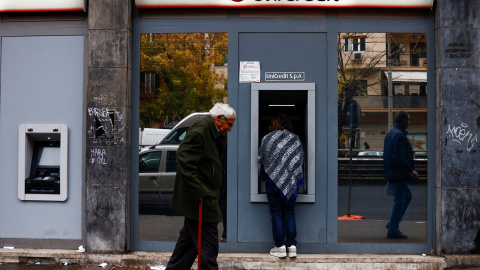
(42, 171)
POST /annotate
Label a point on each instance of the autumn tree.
(184, 65)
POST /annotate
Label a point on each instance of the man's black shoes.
(398, 235)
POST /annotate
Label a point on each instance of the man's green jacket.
(199, 172)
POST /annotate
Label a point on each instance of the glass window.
(390, 76)
(418, 53)
(354, 45)
(177, 136)
(171, 165)
(149, 162)
(361, 88)
(180, 74)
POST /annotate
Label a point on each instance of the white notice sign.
(249, 71)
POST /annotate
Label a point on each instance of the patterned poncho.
(281, 158)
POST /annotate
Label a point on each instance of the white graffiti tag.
(461, 134)
(105, 113)
(98, 156)
(105, 99)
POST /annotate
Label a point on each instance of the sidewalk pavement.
(153, 260)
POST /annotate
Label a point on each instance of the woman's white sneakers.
(281, 252)
(292, 251)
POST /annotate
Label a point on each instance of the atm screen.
(49, 156)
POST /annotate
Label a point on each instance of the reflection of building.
(409, 81)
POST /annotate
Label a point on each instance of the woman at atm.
(281, 161)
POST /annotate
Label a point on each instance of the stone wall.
(458, 126)
(107, 185)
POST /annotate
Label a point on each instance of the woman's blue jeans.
(402, 197)
(283, 217)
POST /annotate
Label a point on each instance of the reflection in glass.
(180, 74)
(384, 73)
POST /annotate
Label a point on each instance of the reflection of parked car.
(158, 165)
(370, 154)
(178, 132)
(157, 169)
(151, 136)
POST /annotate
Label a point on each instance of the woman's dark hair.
(280, 122)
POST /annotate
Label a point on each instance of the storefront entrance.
(298, 74)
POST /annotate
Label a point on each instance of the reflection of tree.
(184, 66)
(353, 71)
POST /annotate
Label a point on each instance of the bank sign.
(284, 76)
(285, 3)
(41, 5)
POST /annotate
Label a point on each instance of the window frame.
(350, 44)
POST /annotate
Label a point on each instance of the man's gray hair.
(222, 109)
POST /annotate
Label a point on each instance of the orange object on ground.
(351, 217)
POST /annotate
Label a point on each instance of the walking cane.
(200, 209)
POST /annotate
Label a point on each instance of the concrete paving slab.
(54, 260)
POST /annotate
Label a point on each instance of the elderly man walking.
(199, 177)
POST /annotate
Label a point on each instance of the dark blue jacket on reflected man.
(397, 155)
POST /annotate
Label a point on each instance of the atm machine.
(44, 175)
(42, 162)
(297, 101)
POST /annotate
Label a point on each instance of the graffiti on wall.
(105, 99)
(98, 156)
(105, 126)
(462, 135)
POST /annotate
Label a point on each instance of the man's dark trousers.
(402, 197)
(186, 249)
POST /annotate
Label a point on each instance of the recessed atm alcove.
(297, 101)
(42, 162)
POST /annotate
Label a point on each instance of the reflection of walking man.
(398, 162)
(200, 176)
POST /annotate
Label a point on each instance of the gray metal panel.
(332, 148)
(42, 80)
(281, 52)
